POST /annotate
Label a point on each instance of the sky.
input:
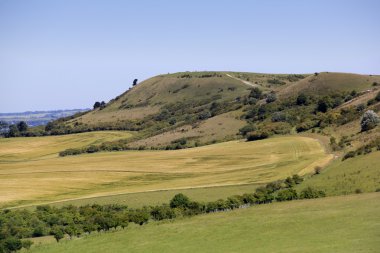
(66, 54)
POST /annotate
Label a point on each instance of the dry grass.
(222, 126)
(230, 163)
(328, 83)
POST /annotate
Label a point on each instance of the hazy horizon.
(68, 54)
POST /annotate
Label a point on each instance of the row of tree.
(69, 221)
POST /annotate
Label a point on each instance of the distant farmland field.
(31, 171)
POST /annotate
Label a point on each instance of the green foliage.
(257, 135)
(255, 93)
(96, 105)
(286, 195)
(369, 120)
(179, 201)
(324, 104)
(22, 126)
(11, 244)
(271, 97)
(247, 128)
(302, 99)
(311, 193)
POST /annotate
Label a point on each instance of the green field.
(31, 172)
(336, 224)
(345, 177)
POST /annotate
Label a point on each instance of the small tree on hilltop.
(97, 104)
(369, 120)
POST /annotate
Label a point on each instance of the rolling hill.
(212, 136)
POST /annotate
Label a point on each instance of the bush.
(279, 117)
(271, 97)
(70, 151)
(297, 179)
(287, 194)
(310, 193)
(302, 99)
(204, 115)
(358, 191)
(306, 125)
(162, 212)
(324, 104)
(255, 93)
(257, 135)
(349, 155)
(247, 128)
(179, 200)
(369, 120)
(317, 170)
(377, 98)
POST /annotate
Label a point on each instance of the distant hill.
(189, 109)
(37, 118)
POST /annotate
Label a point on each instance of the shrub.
(317, 170)
(324, 104)
(247, 128)
(204, 115)
(162, 212)
(287, 194)
(349, 155)
(302, 99)
(289, 182)
(70, 151)
(257, 135)
(297, 179)
(179, 200)
(172, 121)
(271, 97)
(279, 117)
(310, 193)
(369, 120)
(255, 93)
(358, 191)
(306, 125)
(377, 98)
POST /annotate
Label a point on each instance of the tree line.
(16, 226)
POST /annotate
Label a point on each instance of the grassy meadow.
(31, 171)
(336, 224)
(361, 173)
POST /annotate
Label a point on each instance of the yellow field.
(31, 171)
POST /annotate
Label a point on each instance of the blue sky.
(69, 54)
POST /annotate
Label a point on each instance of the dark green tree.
(255, 93)
(302, 99)
(179, 200)
(22, 126)
(96, 105)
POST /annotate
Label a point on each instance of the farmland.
(32, 172)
